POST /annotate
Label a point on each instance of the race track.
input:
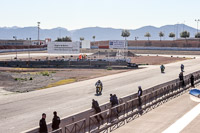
(19, 112)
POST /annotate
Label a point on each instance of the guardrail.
(126, 111)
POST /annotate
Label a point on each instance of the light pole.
(136, 43)
(29, 49)
(197, 20)
(38, 32)
(177, 32)
(183, 25)
(14, 37)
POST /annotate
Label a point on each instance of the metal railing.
(123, 113)
(111, 118)
(76, 127)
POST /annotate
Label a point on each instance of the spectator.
(111, 100)
(139, 95)
(181, 77)
(43, 125)
(55, 121)
(115, 99)
(95, 106)
(192, 80)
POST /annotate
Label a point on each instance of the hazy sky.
(75, 14)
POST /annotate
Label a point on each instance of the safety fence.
(128, 109)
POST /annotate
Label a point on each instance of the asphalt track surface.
(19, 112)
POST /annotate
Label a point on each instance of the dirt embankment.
(155, 60)
(19, 80)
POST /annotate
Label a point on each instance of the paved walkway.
(163, 117)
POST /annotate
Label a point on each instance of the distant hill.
(87, 33)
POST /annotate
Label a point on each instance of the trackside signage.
(86, 44)
(63, 47)
(116, 44)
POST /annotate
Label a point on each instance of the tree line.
(126, 33)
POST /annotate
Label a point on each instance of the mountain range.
(99, 32)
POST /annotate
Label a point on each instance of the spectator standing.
(42, 124)
(192, 80)
(181, 78)
(55, 121)
(139, 95)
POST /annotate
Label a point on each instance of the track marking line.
(181, 123)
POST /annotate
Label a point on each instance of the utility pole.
(183, 25)
(29, 49)
(177, 31)
(38, 33)
(136, 43)
(14, 37)
(197, 20)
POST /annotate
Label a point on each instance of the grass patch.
(109, 68)
(45, 73)
(53, 71)
(30, 73)
(22, 69)
(61, 82)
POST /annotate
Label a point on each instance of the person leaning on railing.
(95, 106)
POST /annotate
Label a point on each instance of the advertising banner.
(86, 44)
(117, 44)
(63, 47)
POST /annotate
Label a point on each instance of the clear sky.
(76, 14)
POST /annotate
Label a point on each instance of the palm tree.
(185, 34)
(147, 35)
(198, 36)
(161, 34)
(125, 34)
(94, 38)
(81, 38)
(172, 35)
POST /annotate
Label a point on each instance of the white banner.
(117, 44)
(86, 44)
(63, 47)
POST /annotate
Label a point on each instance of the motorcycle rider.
(182, 68)
(99, 83)
(162, 68)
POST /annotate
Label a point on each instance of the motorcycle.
(98, 89)
(162, 69)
